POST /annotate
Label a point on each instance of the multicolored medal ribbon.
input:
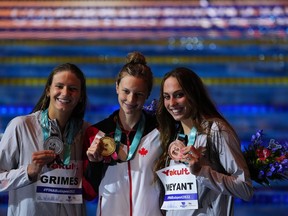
(53, 141)
(136, 140)
(114, 149)
(179, 143)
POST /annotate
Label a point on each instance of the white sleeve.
(12, 175)
(236, 179)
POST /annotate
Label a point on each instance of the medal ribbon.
(70, 132)
(46, 127)
(136, 139)
(191, 138)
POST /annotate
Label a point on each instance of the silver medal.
(54, 143)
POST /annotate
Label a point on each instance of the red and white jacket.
(126, 188)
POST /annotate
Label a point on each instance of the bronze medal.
(54, 143)
(174, 149)
(109, 146)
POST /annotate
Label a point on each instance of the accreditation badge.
(54, 143)
(60, 183)
(180, 188)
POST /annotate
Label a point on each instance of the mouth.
(129, 106)
(63, 101)
(176, 111)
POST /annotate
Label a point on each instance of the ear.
(47, 92)
(117, 88)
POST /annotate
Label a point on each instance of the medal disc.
(54, 143)
(174, 149)
(109, 146)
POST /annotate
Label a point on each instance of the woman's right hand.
(39, 159)
(94, 151)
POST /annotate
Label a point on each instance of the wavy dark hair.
(79, 110)
(203, 109)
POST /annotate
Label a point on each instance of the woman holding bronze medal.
(202, 167)
(122, 148)
(41, 153)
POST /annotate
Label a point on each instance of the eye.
(179, 95)
(126, 91)
(166, 97)
(59, 86)
(140, 94)
(73, 88)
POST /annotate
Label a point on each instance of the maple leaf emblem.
(143, 151)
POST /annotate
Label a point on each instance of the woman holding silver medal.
(41, 153)
(123, 148)
(202, 167)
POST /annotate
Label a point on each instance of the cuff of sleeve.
(27, 178)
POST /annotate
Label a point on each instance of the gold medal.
(109, 146)
(174, 149)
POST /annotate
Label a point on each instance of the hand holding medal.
(105, 148)
(42, 158)
(102, 148)
(192, 156)
(186, 154)
(54, 143)
(109, 148)
(94, 151)
(39, 159)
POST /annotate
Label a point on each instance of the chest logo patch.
(143, 151)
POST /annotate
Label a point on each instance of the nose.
(131, 97)
(65, 90)
(172, 101)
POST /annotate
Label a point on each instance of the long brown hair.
(198, 98)
(79, 110)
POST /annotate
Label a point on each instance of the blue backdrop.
(239, 49)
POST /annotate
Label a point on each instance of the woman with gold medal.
(41, 153)
(123, 148)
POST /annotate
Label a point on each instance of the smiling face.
(132, 93)
(64, 93)
(175, 100)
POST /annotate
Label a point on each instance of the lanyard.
(191, 138)
(69, 134)
(45, 124)
(183, 138)
(136, 139)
